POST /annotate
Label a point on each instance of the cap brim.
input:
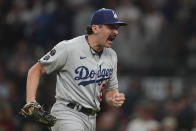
(121, 23)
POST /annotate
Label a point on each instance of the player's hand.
(118, 99)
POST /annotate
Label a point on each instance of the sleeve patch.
(52, 52)
(47, 57)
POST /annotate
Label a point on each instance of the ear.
(95, 28)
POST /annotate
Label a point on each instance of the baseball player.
(86, 69)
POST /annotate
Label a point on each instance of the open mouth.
(111, 37)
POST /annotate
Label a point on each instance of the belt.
(87, 111)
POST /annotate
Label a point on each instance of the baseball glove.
(35, 112)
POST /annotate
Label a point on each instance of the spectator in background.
(191, 55)
(29, 126)
(194, 125)
(131, 47)
(169, 124)
(144, 119)
(82, 16)
(162, 89)
(6, 117)
(4, 92)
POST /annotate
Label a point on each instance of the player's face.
(107, 34)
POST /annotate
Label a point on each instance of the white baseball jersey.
(81, 72)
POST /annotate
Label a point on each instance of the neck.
(92, 41)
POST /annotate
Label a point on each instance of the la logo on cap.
(115, 15)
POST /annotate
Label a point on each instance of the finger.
(122, 95)
(120, 98)
(118, 105)
(119, 95)
(30, 110)
(120, 102)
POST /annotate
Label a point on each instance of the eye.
(113, 26)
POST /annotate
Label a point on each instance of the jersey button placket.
(96, 76)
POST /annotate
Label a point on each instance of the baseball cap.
(105, 16)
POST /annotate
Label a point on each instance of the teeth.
(111, 38)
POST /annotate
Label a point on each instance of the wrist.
(30, 100)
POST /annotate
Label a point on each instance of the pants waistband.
(87, 111)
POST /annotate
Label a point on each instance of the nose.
(115, 31)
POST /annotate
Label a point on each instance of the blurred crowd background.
(156, 53)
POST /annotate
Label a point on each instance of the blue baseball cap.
(105, 16)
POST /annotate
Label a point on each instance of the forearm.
(33, 78)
